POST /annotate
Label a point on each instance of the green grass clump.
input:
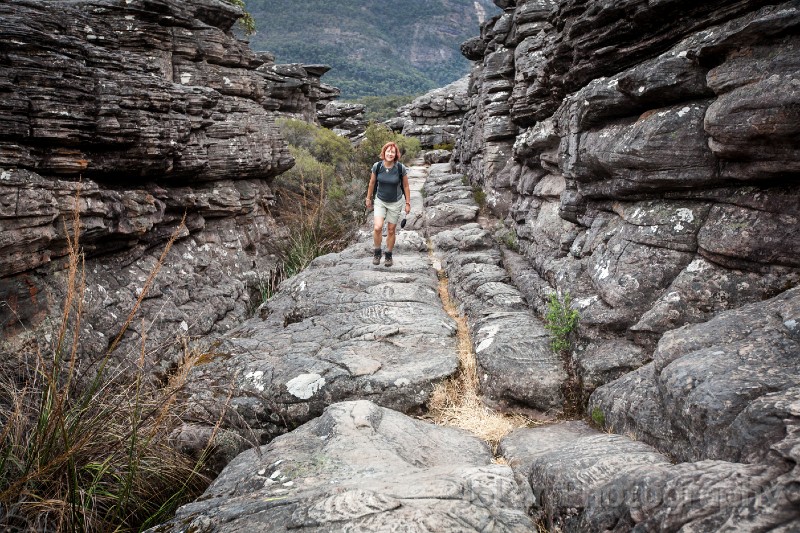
(598, 417)
(560, 321)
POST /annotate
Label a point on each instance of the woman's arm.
(407, 190)
(370, 190)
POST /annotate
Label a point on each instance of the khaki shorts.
(389, 211)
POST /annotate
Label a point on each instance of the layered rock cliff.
(143, 111)
(643, 157)
(650, 169)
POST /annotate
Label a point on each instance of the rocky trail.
(351, 353)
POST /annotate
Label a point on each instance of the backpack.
(402, 169)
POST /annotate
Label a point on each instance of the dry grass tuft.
(456, 402)
(91, 452)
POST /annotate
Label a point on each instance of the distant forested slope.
(374, 47)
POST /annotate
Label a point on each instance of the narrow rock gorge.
(640, 157)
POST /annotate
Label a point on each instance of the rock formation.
(434, 118)
(142, 111)
(644, 157)
(360, 467)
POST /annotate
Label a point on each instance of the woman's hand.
(369, 202)
(408, 207)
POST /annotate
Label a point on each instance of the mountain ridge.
(374, 49)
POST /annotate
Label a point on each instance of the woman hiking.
(391, 179)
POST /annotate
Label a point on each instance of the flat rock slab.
(341, 329)
(360, 467)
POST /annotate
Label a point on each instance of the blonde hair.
(396, 150)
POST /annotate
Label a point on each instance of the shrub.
(376, 136)
(444, 146)
(560, 320)
(380, 108)
(298, 133)
(479, 196)
(331, 148)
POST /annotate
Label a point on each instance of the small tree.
(246, 21)
(560, 321)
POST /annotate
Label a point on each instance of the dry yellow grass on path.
(456, 402)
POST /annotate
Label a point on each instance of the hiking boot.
(376, 256)
(388, 261)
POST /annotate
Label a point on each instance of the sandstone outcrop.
(517, 369)
(659, 191)
(144, 111)
(342, 329)
(435, 117)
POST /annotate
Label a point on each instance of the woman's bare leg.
(390, 235)
(377, 232)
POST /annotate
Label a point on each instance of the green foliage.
(331, 148)
(370, 45)
(298, 133)
(378, 135)
(321, 143)
(479, 196)
(598, 417)
(560, 321)
(382, 108)
(444, 146)
(507, 237)
(246, 23)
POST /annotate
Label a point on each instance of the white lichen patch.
(256, 377)
(490, 332)
(685, 215)
(583, 303)
(305, 386)
(603, 271)
(186, 78)
(698, 265)
(684, 110)
(402, 382)
(673, 297)
(791, 324)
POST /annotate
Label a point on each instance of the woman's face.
(390, 154)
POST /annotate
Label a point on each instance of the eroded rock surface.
(360, 467)
(435, 117)
(342, 329)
